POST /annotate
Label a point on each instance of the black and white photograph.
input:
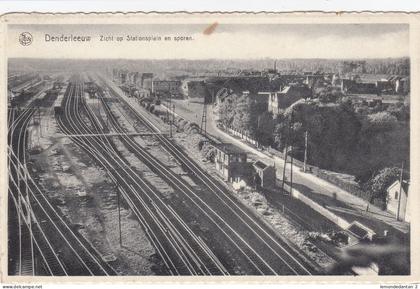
(208, 148)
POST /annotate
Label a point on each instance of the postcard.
(266, 147)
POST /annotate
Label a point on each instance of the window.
(396, 195)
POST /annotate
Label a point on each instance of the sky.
(227, 41)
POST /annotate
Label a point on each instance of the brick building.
(167, 87)
(231, 163)
(264, 175)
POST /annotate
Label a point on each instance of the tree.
(264, 129)
(227, 110)
(242, 120)
(377, 186)
(400, 110)
(281, 132)
(381, 121)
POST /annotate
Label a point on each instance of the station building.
(231, 163)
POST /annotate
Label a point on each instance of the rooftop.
(359, 230)
(260, 165)
(405, 185)
(295, 88)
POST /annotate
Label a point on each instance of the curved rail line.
(49, 231)
(18, 189)
(173, 179)
(169, 236)
(261, 232)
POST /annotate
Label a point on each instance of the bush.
(382, 121)
(192, 128)
(206, 148)
(211, 154)
(200, 145)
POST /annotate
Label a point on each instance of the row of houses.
(390, 85)
(286, 95)
(276, 91)
(143, 80)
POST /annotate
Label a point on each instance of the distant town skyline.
(228, 41)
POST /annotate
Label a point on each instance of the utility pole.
(20, 223)
(284, 169)
(291, 152)
(291, 170)
(203, 127)
(169, 118)
(305, 160)
(399, 195)
(167, 109)
(173, 113)
(29, 210)
(39, 121)
(29, 140)
(38, 112)
(258, 131)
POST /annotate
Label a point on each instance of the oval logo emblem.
(25, 38)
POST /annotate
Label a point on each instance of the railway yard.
(98, 186)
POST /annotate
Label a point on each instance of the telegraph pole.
(20, 196)
(399, 195)
(119, 214)
(203, 127)
(167, 109)
(173, 113)
(169, 117)
(291, 170)
(29, 209)
(291, 152)
(40, 121)
(286, 153)
(284, 169)
(305, 160)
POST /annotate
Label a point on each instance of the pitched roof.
(297, 89)
(405, 185)
(260, 165)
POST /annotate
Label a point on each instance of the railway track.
(181, 251)
(182, 186)
(40, 240)
(19, 227)
(258, 241)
